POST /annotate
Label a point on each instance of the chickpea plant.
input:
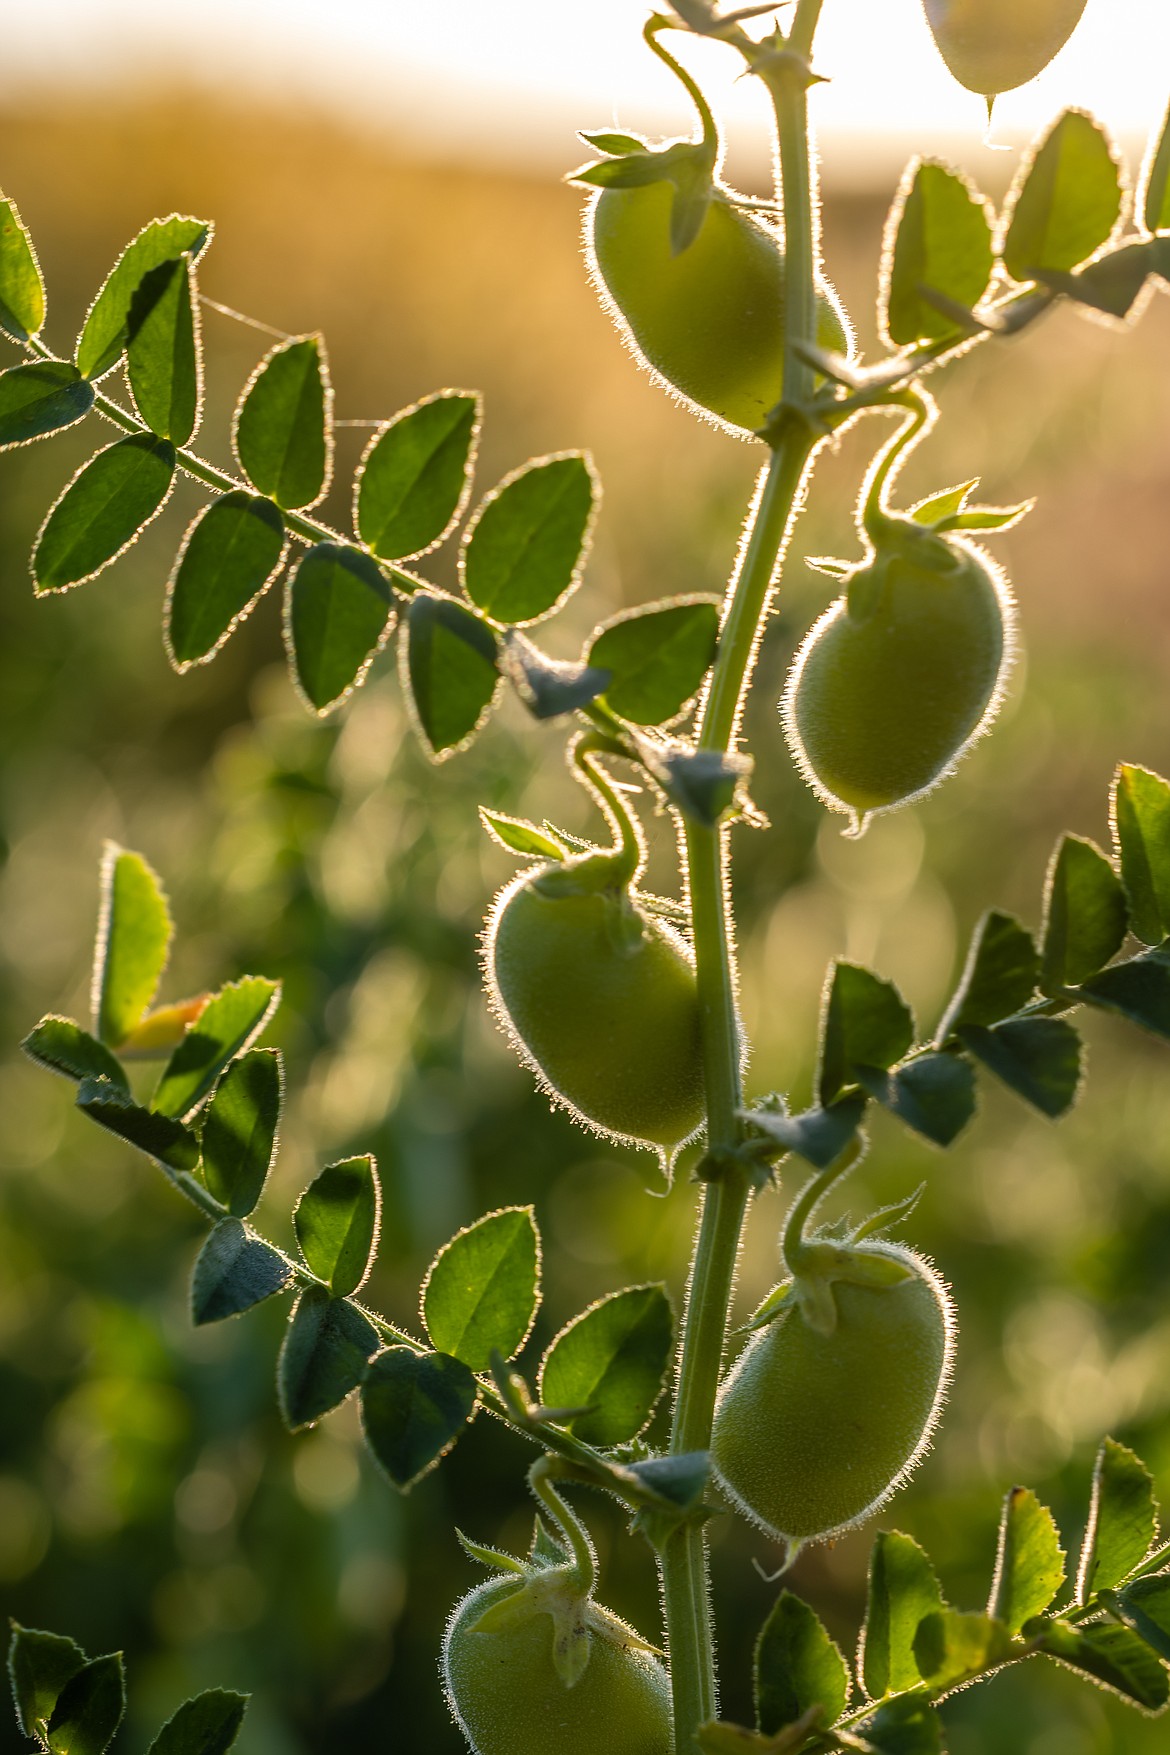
(623, 1003)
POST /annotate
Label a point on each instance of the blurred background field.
(148, 1497)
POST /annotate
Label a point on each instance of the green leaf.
(450, 671)
(481, 1292)
(1140, 811)
(64, 1047)
(414, 1406)
(520, 836)
(1029, 1565)
(338, 616)
(239, 1133)
(133, 943)
(797, 1666)
(224, 1029)
(609, 140)
(337, 1221)
(548, 687)
(1112, 283)
(89, 1708)
(1038, 1058)
(104, 333)
(1112, 1656)
(951, 1646)
(230, 555)
(945, 504)
(525, 547)
(1000, 976)
(903, 1590)
(163, 357)
(39, 1666)
(865, 1022)
(817, 1135)
(283, 429)
(104, 509)
(160, 1137)
(1144, 1605)
(908, 1725)
(323, 1356)
(657, 657)
(1084, 915)
(22, 290)
(1066, 200)
(680, 1479)
(933, 1094)
(1123, 1520)
(234, 1270)
(611, 1360)
(415, 476)
(40, 397)
(1138, 990)
(939, 237)
(1155, 181)
(207, 1725)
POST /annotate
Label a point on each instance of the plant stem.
(682, 1559)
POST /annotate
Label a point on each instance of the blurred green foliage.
(148, 1497)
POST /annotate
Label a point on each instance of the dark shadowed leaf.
(548, 687)
(38, 398)
(104, 333)
(1037, 1058)
(414, 1406)
(163, 357)
(1066, 199)
(657, 658)
(239, 1133)
(865, 1023)
(1113, 1656)
(337, 1221)
(703, 784)
(907, 1725)
(1029, 1565)
(612, 1360)
(526, 545)
(323, 1357)
(230, 555)
(133, 943)
(39, 1666)
(1112, 283)
(284, 424)
(207, 1725)
(1141, 833)
(338, 616)
(449, 666)
(1084, 915)
(903, 1590)
(1000, 976)
(22, 291)
(933, 1094)
(1144, 1605)
(939, 238)
(481, 1293)
(1123, 1520)
(159, 1136)
(817, 1135)
(225, 1028)
(1138, 990)
(234, 1270)
(103, 510)
(64, 1047)
(89, 1708)
(797, 1666)
(414, 478)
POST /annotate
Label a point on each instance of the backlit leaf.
(797, 1666)
(22, 290)
(480, 1294)
(934, 1094)
(1123, 1520)
(1155, 196)
(939, 238)
(950, 1646)
(525, 548)
(449, 664)
(283, 428)
(657, 658)
(521, 836)
(163, 357)
(1000, 976)
(207, 1725)
(159, 1136)
(1038, 1058)
(1066, 200)
(1029, 1565)
(239, 1133)
(230, 555)
(1138, 990)
(1084, 915)
(865, 1023)
(903, 1590)
(64, 1047)
(337, 1221)
(338, 616)
(103, 510)
(39, 1666)
(89, 1708)
(323, 1357)
(611, 1360)
(133, 943)
(40, 397)
(817, 1135)
(104, 334)
(225, 1028)
(414, 1406)
(1113, 1656)
(415, 476)
(1141, 833)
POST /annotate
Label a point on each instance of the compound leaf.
(611, 1361)
(797, 1666)
(337, 1221)
(1084, 915)
(939, 239)
(415, 476)
(525, 548)
(106, 328)
(1066, 201)
(163, 359)
(239, 1133)
(323, 1356)
(338, 616)
(1029, 1565)
(414, 1406)
(230, 555)
(228, 1025)
(449, 662)
(103, 510)
(903, 1590)
(40, 397)
(283, 428)
(657, 658)
(234, 1270)
(481, 1293)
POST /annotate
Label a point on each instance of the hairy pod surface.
(600, 999)
(508, 1699)
(815, 1431)
(899, 677)
(709, 321)
(994, 45)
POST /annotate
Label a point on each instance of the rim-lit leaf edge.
(383, 427)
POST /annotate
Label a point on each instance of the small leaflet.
(938, 238)
(903, 1590)
(105, 331)
(865, 1023)
(207, 1725)
(1066, 201)
(1138, 990)
(323, 1357)
(934, 1094)
(234, 1270)
(611, 1362)
(39, 1666)
(415, 477)
(133, 943)
(414, 1406)
(797, 1667)
(89, 1708)
(1000, 976)
(103, 510)
(338, 616)
(449, 665)
(1029, 1564)
(337, 1221)
(1123, 1520)
(22, 290)
(1085, 915)
(239, 1132)
(228, 1025)
(40, 397)
(1037, 1058)
(163, 352)
(159, 1136)
(1140, 812)
(657, 657)
(283, 432)
(481, 1292)
(64, 1047)
(230, 555)
(525, 548)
